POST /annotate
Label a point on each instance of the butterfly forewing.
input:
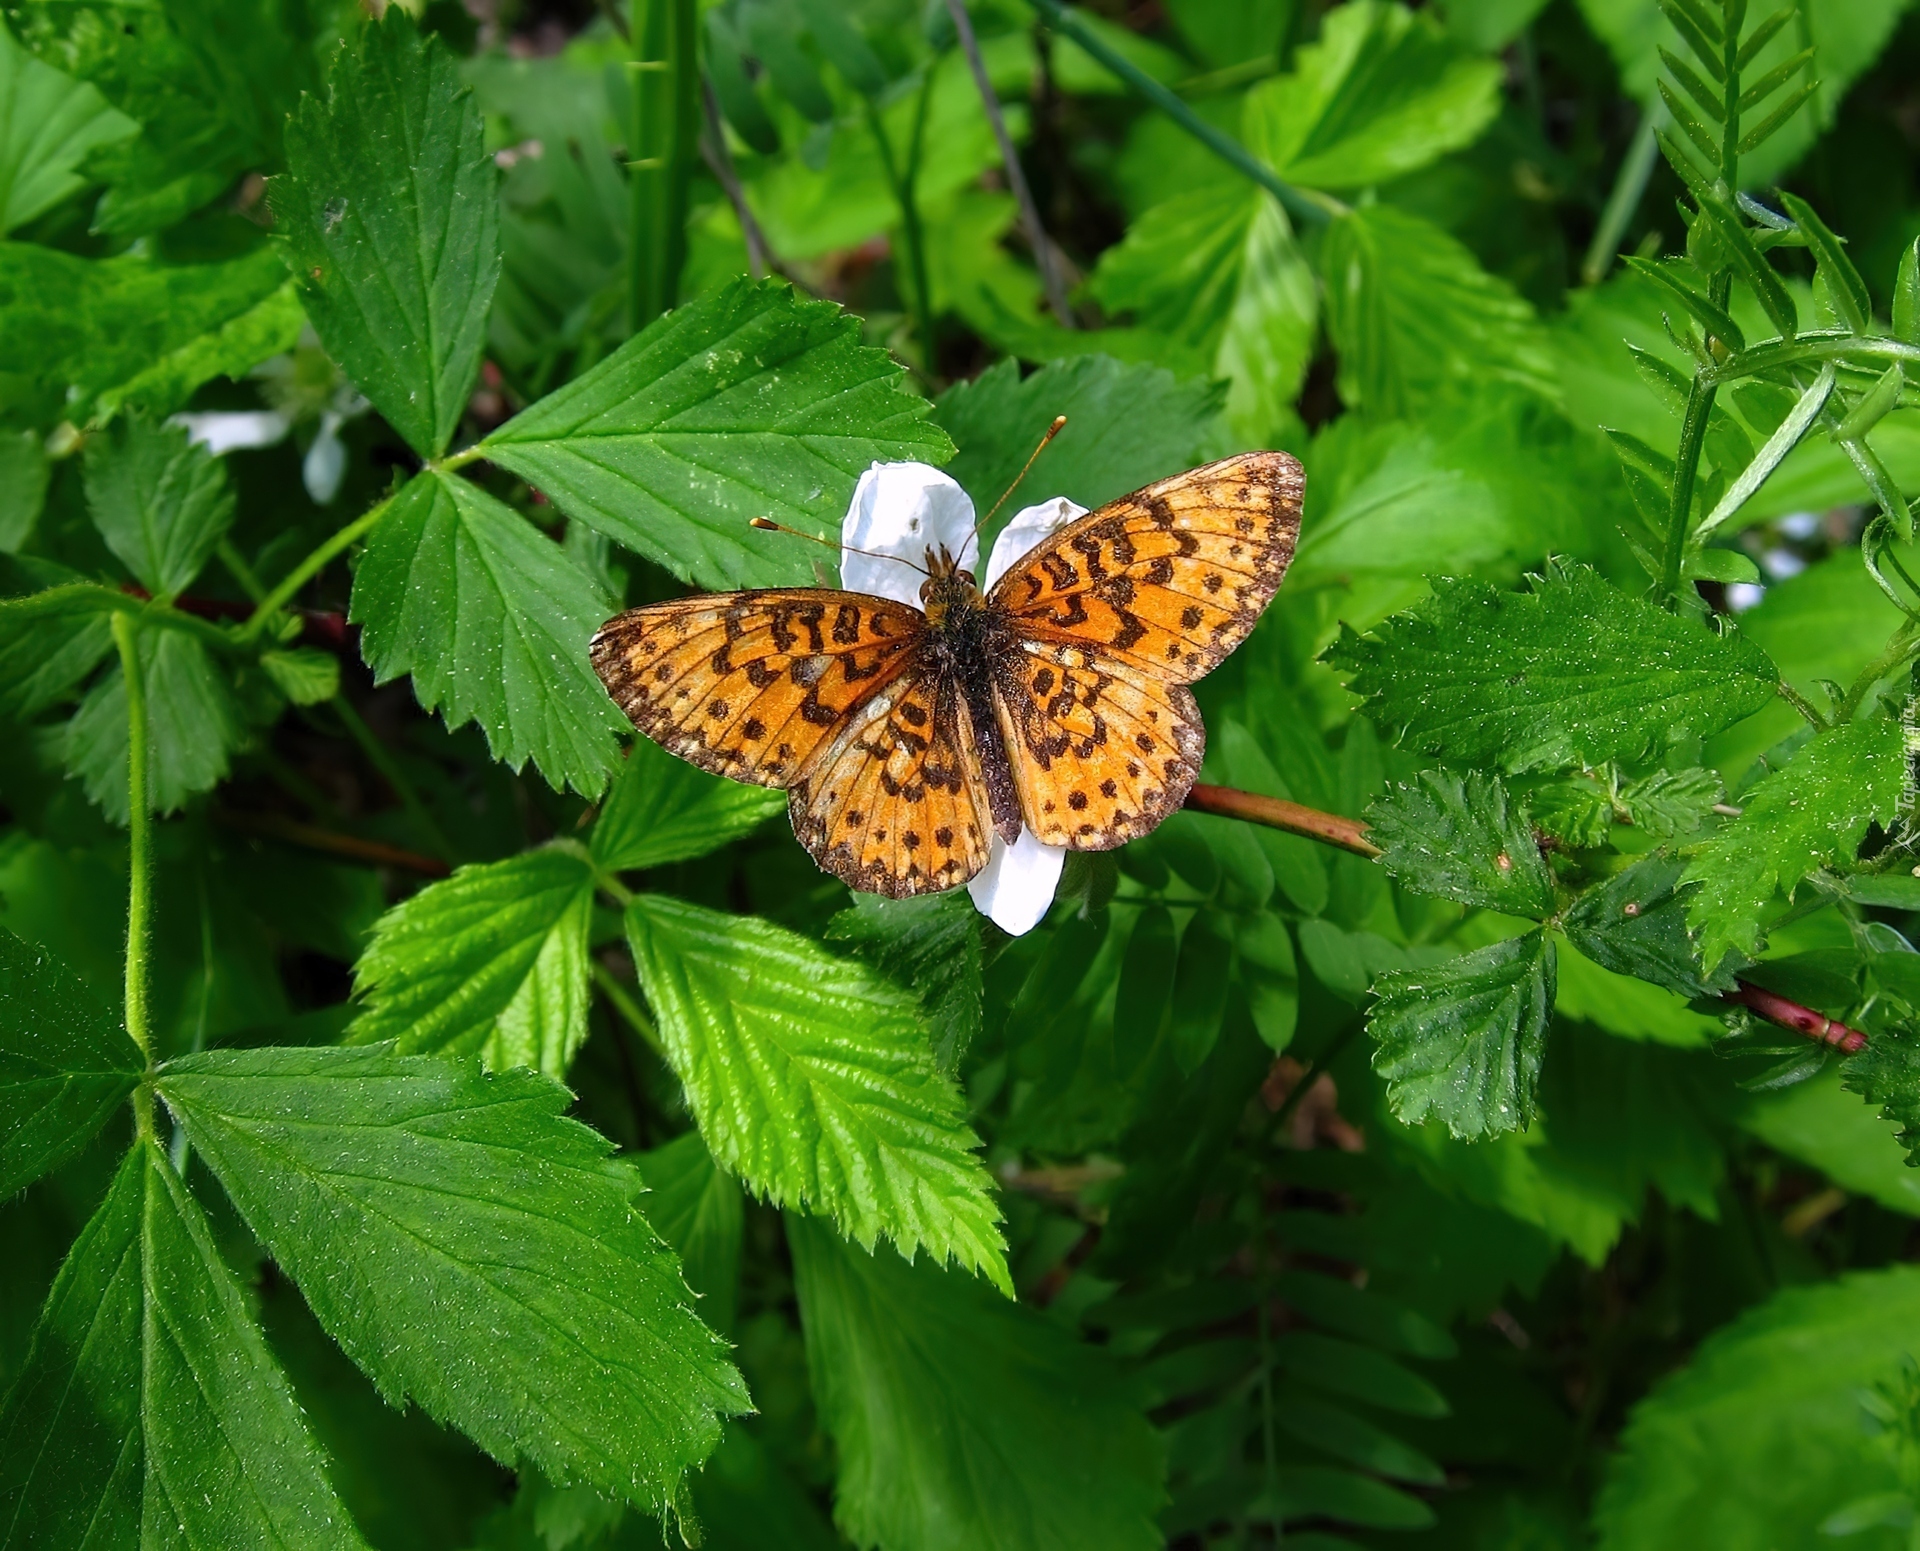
(1171, 578)
(751, 684)
(894, 803)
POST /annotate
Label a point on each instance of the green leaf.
(1202, 978)
(1217, 275)
(76, 327)
(929, 946)
(1669, 803)
(1461, 1041)
(1573, 672)
(1382, 93)
(391, 213)
(193, 725)
(24, 473)
(1127, 425)
(65, 1065)
(1298, 867)
(1848, 289)
(209, 83)
(492, 962)
(160, 501)
(1810, 814)
(1758, 1439)
(49, 125)
(305, 675)
(697, 1209)
(662, 810)
(45, 652)
(1887, 1074)
(231, 348)
(813, 1081)
(1820, 1123)
(1411, 311)
(1635, 923)
(1752, 265)
(746, 403)
(1714, 318)
(151, 1410)
(492, 620)
(963, 1420)
(1456, 837)
(472, 1249)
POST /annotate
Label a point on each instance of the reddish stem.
(1351, 835)
(273, 826)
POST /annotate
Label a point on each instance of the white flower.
(899, 511)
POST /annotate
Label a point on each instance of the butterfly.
(907, 738)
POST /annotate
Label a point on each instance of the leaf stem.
(139, 838)
(662, 78)
(309, 568)
(390, 772)
(1800, 703)
(1316, 209)
(1277, 813)
(1686, 466)
(624, 1004)
(902, 185)
(1900, 648)
(1629, 188)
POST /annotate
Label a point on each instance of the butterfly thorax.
(969, 644)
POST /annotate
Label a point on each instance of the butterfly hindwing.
(894, 802)
(1170, 579)
(1101, 752)
(750, 685)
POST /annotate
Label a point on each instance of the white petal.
(325, 464)
(902, 510)
(222, 431)
(1016, 886)
(1026, 528)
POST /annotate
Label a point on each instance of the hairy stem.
(622, 1002)
(139, 838)
(663, 77)
(308, 569)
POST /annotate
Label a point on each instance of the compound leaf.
(1456, 837)
(746, 403)
(813, 1081)
(1812, 813)
(492, 962)
(1462, 1041)
(492, 620)
(962, 1419)
(472, 1248)
(1574, 672)
(392, 219)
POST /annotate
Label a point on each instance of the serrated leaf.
(65, 1064)
(1461, 1041)
(662, 810)
(1410, 311)
(391, 212)
(1671, 802)
(79, 327)
(1811, 813)
(962, 1419)
(930, 946)
(1572, 673)
(1577, 811)
(194, 724)
(387, 1187)
(1382, 92)
(1457, 837)
(814, 1082)
(491, 963)
(1887, 1075)
(697, 1209)
(492, 620)
(747, 403)
(305, 675)
(1635, 923)
(49, 125)
(160, 501)
(46, 652)
(230, 348)
(151, 1411)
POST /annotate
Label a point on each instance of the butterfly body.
(906, 737)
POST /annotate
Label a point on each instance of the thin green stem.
(1629, 188)
(622, 1002)
(1686, 467)
(237, 567)
(307, 570)
(1316, 209)
(390, 772)
(1900, 649)
(139, 837)
(663, 77)
(901, 185)
(1800, 703)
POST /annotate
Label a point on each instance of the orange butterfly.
(906, 738)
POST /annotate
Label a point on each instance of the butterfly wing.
(894, 802)
(1112, 618)
(751, 685)
(1170, 579)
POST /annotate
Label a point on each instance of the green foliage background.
(494, 1134)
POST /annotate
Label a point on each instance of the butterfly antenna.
(1059, 424)
(768, 525)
